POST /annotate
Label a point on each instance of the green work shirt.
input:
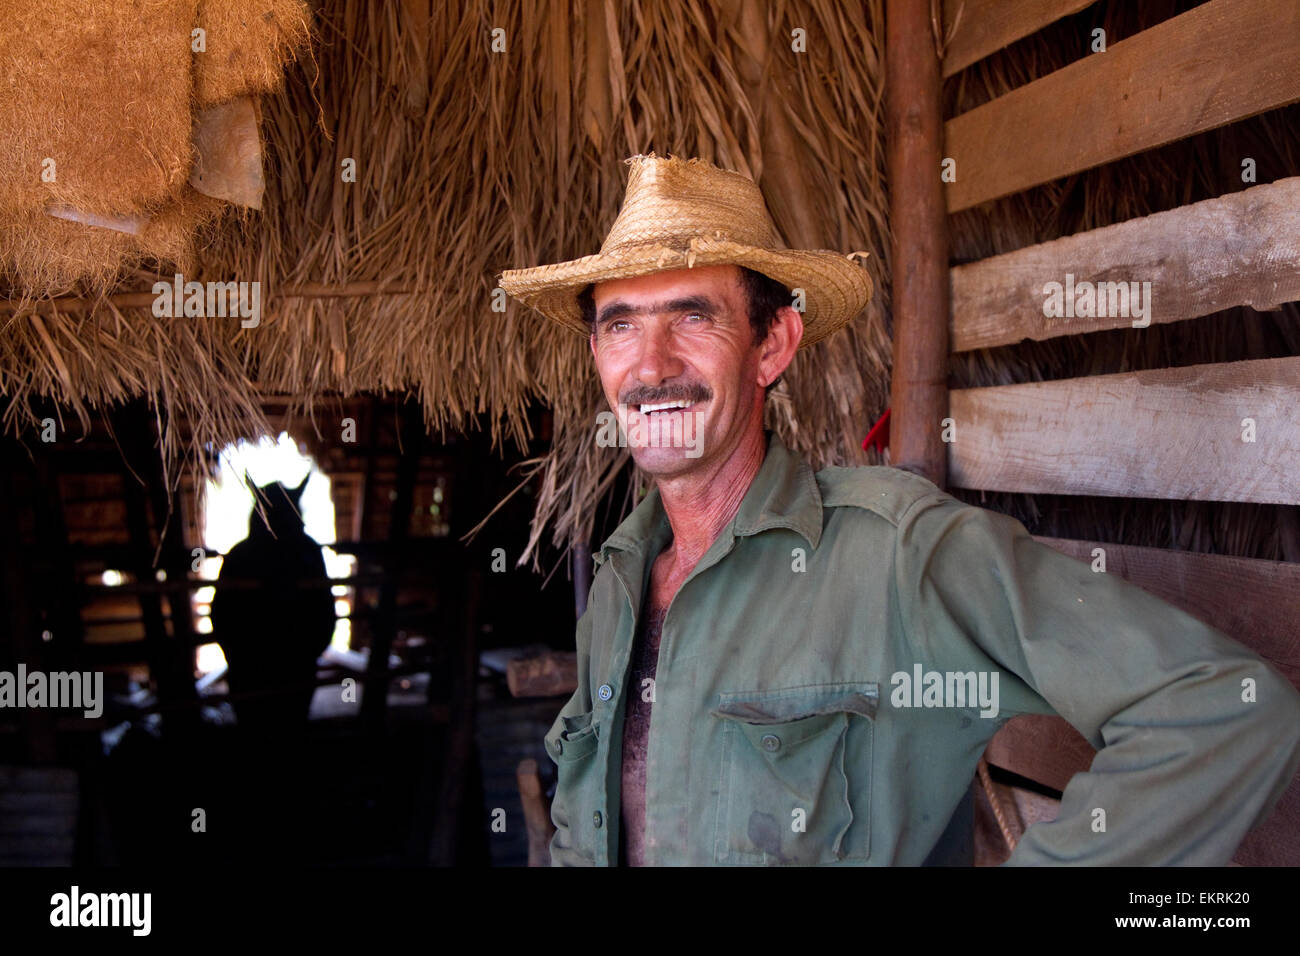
(826, 677)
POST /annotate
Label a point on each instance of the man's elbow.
(1274, 701)
(1273, 734)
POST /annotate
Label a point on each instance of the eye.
(696, 317)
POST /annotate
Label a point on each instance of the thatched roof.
(468, 162)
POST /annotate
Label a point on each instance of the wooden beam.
(976, 28)
(1255, 602)
(537, 813)
(544, 675)
(1220, 62)
(1168, 433)
(1239, 249)
(919, 249)
(144, 300)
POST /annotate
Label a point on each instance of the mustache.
(644, 395)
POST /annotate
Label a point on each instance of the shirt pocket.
(796, 775)
(575, 738)
(572, 744)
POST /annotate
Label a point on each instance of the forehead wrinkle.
(620, 309)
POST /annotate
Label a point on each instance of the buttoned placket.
(619, 664)
(669, 739)
(673, 736)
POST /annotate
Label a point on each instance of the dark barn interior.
(400, 769)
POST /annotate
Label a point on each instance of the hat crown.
(669, 201)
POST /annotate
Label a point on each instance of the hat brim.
(836, 289)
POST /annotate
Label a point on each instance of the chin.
(663, 462)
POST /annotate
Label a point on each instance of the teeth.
(647, 409)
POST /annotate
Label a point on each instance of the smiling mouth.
(663, 407)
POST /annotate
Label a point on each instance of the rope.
(995, 799)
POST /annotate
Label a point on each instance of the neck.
(701, 504)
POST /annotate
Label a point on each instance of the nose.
(658, 360)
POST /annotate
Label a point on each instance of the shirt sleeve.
(562, 849)
(1197, 737)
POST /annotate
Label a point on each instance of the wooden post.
(457, 763)
(580, 555)
(374, 700)
(919, 252)
(451, 842)
(21, 622)
(537, 812)
(171, 658)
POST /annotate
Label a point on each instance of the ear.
(777, 351)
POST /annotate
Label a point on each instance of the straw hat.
(683, 213)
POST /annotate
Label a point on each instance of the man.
(777, 667)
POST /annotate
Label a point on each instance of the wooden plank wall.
(1174, 433)
(38, 816)
(1218, 63)
(1162, 433)
(976, 28)
(1239, 249)
(1258, 602)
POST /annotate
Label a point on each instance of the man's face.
(681, 339)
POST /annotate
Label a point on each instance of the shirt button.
(597, 819)
(604, 692)
(771, 743)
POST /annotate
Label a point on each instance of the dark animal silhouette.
(270, 616)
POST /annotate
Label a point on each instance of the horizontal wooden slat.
(1217, 63)
(1239, 249)
(1167, 433)
(1276, 841)
(977, 28)
(38, 779)
(37, 802)
(1050, 751)
(1255, 602)
(544, 675)
(37, 849)
(1041, 748)
(37, 823)
(140, 300)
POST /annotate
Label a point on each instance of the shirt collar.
(783, 494)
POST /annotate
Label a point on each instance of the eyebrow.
(690, 303)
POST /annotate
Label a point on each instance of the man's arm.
(562, 851)
(1197, 737)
